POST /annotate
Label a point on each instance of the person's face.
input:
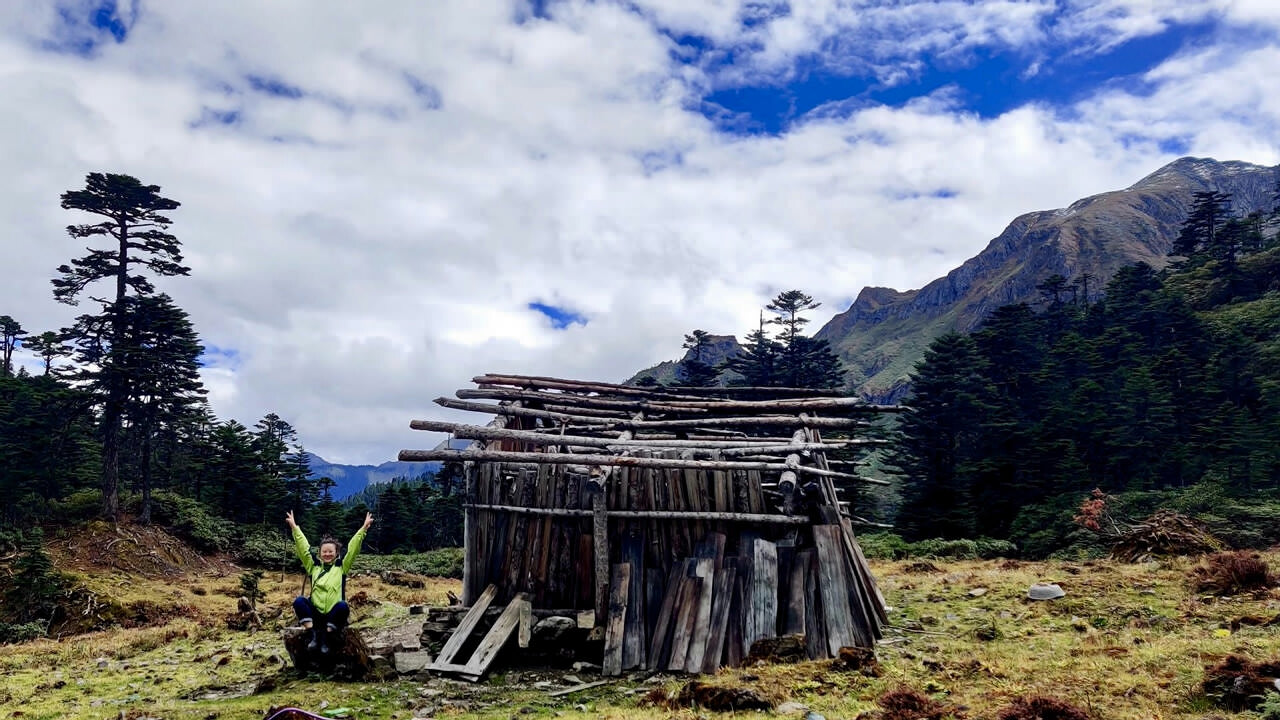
(328, 553)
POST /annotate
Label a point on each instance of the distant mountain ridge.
(885, 332)
(352, 479)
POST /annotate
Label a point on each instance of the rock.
(412, 662)
(791, 706)
(417, 609)
(581, 666)
(978, 592)
(1045, 591)
(550, 631)
(813, 716)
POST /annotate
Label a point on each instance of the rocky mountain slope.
(885, 332)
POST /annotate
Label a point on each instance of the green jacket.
(326, 586)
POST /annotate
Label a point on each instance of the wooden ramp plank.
(468, 624)
(615, 628)
(687, 609)
(497, 636)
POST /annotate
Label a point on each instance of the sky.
(383, 200)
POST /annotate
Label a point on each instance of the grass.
(1127, 642)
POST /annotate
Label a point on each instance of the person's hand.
(368, 520)
(288, 520)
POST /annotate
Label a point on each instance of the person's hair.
(337, 546)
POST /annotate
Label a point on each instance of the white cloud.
(371, 245)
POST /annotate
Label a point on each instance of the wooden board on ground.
(465, 628)
(705, 570)
(720, 605)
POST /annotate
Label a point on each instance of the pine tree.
(11, 334)
(694, 370)
(48, 346)
(1200, 230)
(937, 441)
(757, 364)
(134, 223)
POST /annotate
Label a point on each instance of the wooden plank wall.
(698, 593)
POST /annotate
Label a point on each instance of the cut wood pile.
(690, 523)
(1164, 534)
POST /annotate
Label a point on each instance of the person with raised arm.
(324, 612)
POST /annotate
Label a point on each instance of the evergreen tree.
(758, 363)
(48, 346)
(694, 370)
(937, 440)
(1200, 230)
(161, 364)
(134, 223)
(11, 334)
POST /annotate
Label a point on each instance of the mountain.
(719, 349)
(884, 332)
(351, 479)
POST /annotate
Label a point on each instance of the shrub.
(908, 704)
(191, 520)
(883, 546)
(264, 547)
(80, 506)
(443, 562)
(1230, 573)
(20, 632)
(1039, 707)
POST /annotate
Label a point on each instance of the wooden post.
(600, 544)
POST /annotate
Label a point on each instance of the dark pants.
(337, 615)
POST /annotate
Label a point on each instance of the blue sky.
(380, 202)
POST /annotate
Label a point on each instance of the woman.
(325, 612)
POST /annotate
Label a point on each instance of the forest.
(1164, 391)
(114, 421)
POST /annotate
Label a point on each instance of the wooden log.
(615, 629)
(541, 438)
(709, 422)
(685, 515)
(845, 404)
(552, 458)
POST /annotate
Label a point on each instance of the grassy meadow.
(1128, 642)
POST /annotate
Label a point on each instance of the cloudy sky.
(381, 200)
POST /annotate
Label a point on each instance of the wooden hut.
(694, 522)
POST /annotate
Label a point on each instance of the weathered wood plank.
(633, 643)
(704, 569)
(615, 628)
(687, 615)
(796, 602)
(497, 636)
(660, 640)
(833, 588)
(722, 602)
(468, 624)
(764, 592)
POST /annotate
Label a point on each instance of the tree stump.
(347, 659)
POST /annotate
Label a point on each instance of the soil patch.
(145, 550)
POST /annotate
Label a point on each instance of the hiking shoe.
(314, 642)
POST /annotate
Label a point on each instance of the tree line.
(1168, 381)
(785, 358)
(115, 418)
